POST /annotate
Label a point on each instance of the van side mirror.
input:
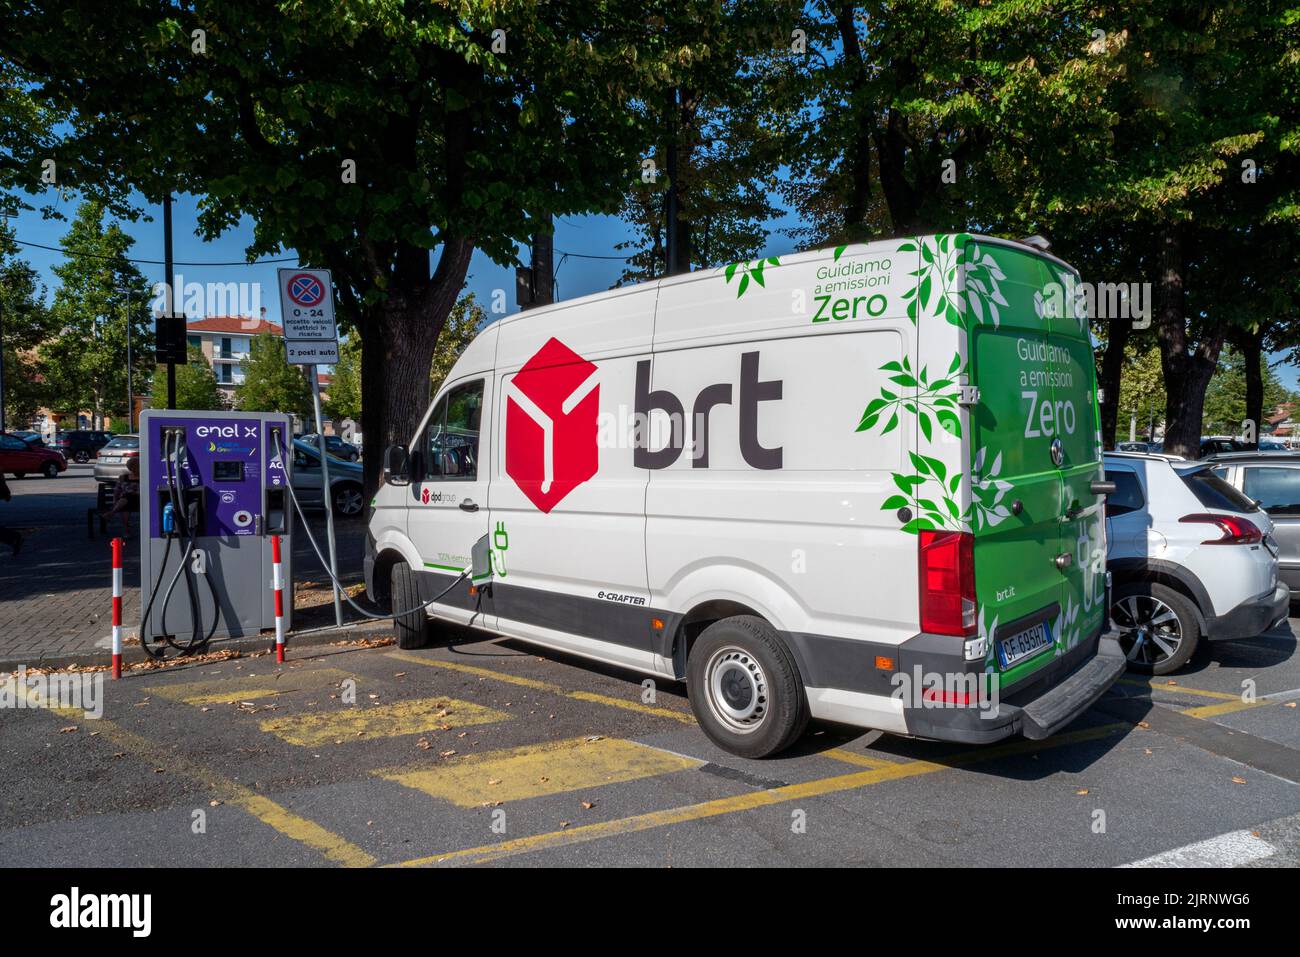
(397, 465)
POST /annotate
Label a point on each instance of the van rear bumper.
(1037, 708)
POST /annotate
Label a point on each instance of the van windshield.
(1214, 492)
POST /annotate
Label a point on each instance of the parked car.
(670, 553)
(81, 445)
(1191, 558)
(1219, 444)
(346, 488)
(1134, 447)
(1272, 481)
(30, 437)
(20, 458)
(115, 457)
(335, 446)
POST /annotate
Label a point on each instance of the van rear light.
(1236, 531)
(947, 573)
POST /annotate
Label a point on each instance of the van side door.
(447, 510)
(567, 502)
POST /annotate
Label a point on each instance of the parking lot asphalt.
(481, 751)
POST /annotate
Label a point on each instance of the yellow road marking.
(247, 687)
(1158, 684)
(852, 757)
(627, 704)
(517, 774)
(291, 825)
(1228, 707)
(754, 799)
(381, 721)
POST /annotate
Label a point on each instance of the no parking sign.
(311, 336)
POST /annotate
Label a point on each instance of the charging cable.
(279, 450)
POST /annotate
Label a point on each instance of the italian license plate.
(111, 459)
(1023, 644)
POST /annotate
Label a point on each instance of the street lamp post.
(130, 388)
(4, 214)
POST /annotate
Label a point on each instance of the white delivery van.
(860, 485)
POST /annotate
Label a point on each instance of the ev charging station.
(213, 492)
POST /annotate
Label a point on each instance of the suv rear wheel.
(1158, 627)
(745, 689)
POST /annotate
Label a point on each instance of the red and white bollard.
(117, 608)
(277, 583)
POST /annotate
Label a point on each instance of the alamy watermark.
(60, 691)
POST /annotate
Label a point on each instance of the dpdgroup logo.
(552, 408)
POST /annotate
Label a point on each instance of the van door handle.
(468, 506)
(1063, 560)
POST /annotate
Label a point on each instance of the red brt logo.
(552, 405)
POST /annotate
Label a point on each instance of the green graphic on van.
(930, 495)
(933, 403)
(750, 271)
(938, 288)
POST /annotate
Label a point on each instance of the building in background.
(225, 342)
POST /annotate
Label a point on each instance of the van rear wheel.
(413, 628)
(745, 689)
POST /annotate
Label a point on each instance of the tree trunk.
(1252, 352)
(1187, 370)
(397, 342)
(1112, 368)
(858, 161)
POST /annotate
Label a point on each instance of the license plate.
(1022, 644)
(111, 459)
(1271, 544)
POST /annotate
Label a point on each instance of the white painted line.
(1227, 850)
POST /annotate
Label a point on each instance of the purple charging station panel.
(227, 456)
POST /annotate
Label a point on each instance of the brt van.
(861, 485)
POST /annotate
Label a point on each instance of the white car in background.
(1191, 558)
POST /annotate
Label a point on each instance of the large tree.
(26, 323)
(365, 135)
(101, 298)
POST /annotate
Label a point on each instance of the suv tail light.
(947, 573)
(1236, 531)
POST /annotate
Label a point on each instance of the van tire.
(746, 646)
(412, 629)
(1145, 596)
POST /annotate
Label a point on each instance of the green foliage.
(271, 384)
(27, 323)
(83, 359)
(196, 384)
(1142, 390)
(344, 400)
(1225, 398)
(463, 324)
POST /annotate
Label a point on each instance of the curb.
(294, 639)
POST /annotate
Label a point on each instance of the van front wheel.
(745, 688)
(412, 629)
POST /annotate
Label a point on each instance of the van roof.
(810, 255)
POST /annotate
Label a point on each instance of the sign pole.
(311, 338)
(329, 494)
